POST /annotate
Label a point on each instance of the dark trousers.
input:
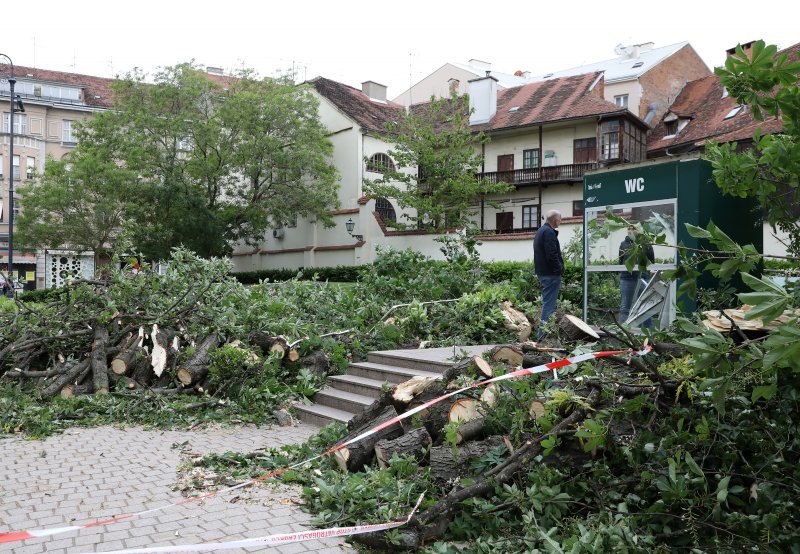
(551, 284)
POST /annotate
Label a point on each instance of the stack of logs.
(463, 415)
(149, 359)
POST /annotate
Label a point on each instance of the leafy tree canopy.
(188, 160)
(438, 166)
(770, 171)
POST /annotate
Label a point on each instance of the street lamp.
(350, 225)
(14, 100)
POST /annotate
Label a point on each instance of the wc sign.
(634, 185)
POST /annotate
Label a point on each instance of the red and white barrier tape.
(284, 538)
(552, 366)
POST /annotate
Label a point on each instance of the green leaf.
(722, 489)
(693, 466)
(697, 232)
(764, 391)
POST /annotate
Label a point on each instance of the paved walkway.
(84, 474)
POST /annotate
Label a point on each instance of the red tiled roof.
(371, 115)
(702, 102)
(550, 101)
(96, 90)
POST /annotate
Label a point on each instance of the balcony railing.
(571, 172)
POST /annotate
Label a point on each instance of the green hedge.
(41, 295)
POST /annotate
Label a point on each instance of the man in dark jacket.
(548, 264)
(630, 282)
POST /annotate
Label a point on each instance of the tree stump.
(414, 443)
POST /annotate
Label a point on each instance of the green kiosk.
(660, 196)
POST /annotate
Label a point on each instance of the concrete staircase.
(346, 395)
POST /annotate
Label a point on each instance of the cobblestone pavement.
(85, 474)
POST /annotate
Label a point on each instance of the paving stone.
(87, 474)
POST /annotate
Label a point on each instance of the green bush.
(41, 295)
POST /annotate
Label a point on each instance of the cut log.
(465, 409)
(515, 321)
(507, 354)
(268, 344)
(355, 456)
(489, 395)
(483, 367)
(142, 372)
(98, 360)
(293, 355)
(532, 347)
(405, 392)
(317, 362)
(447, 465)
(414, 443)
(533, 360)
(470, 430)
(574, 329)
(196, 368)
(436, 417)
(73, 371)
(124, 361)
(70, 391)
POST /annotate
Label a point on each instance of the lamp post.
(350, 225)
(11, 82)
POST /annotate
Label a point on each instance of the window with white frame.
(68, 132)
(31, 168)
(15, 168)
(20, 123)
(530, 216)
(380, 163)
(621, 100)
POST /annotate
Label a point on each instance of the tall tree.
(770, 170)
(437, 165)
(216, 160)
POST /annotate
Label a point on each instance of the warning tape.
(284, 538)
(551, 366)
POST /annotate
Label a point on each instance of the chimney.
(747, 47)
(482, 99)
(214, 70)
(478, 64)
(375, 91)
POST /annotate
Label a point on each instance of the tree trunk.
(464, 409)
(533, 360)
(318, 363)
(470, 430)
(124, 361)
(575, 329)
(268, 344)
(447, 465)
(99, 363)
(70, 391)
(142, 372)
(414, 443)
(196, 368)
(70, 375)
(355, 456)
(507, 354)
(163, 353)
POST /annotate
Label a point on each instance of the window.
(385, 209)
(584, 150)
(15, 169)
(31, 168)
(621, 100)
(530, 217)
(671, 127)
(609, 140)
(20, 123)
(530, 159)
(577, 208)
(67, 132)
(2, 166)
(380, 163)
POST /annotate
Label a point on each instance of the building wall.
(664, 81)
(557, 138)
(632, 88)
(436, 84)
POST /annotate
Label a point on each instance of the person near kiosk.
(548, 264)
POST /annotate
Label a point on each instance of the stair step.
(358, 384)
(383, 372)
(342, 400)
(408, 362)
(319, 415)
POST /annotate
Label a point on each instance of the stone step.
(342, 400)
(383, 372)
(398, 359)
(358, 384)
(319, 415)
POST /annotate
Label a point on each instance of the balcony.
(556, 173)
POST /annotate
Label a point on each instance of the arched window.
(380, 163)
(385, 210)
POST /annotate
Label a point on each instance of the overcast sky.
(392, 43)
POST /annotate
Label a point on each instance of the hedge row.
(493, 272)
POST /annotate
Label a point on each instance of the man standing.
(548, 263)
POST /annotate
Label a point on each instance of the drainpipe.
(483, 170)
